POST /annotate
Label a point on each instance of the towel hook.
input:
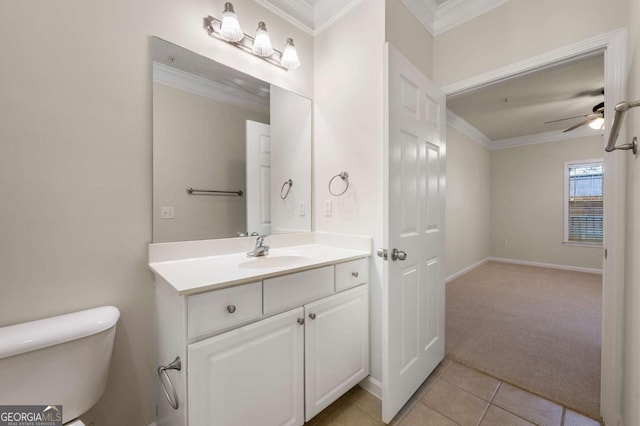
(288, 184)
(345, 178)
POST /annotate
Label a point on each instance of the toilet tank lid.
(30, 336)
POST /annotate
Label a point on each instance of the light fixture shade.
(262, 43)
(290, 56)
(230, 27)
(597, 124)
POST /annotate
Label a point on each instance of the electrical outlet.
(302, 209)
(327, 208)
(166, 213)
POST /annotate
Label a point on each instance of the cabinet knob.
(312, 316)
(355, 274)
(301, 321)
(231, 308)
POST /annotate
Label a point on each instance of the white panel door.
(414, 196)
(258, 178)
(249, 376)
(336, 347)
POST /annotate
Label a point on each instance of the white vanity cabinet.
(270, 352)
(249, 376)
(336, 342)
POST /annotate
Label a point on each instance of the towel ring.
(345, 178)
(288, 184)
(165, 381)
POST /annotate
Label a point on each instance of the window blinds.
(586, 207)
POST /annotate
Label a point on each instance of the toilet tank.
(62, 360)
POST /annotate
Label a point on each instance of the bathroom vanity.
(270, 340)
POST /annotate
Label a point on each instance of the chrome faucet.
(260, 249)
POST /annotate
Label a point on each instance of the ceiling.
(520, 106)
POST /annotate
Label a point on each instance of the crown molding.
(438, 19)
(325, 20)
(424, 11)
(466, 128)
(456, 12)
(178, 79)
(545, 137)
(312, 19)
(297, 13)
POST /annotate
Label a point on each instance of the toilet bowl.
(62, 360)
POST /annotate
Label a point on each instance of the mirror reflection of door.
(258, 178)
(200, 113)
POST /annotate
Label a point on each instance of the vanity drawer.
(352, 274)
(221, 309)
(289, 291)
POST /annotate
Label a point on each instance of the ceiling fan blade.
(568, 118)
(582, 123)
(577, 116)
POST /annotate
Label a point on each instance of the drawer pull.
(231, 308)
(355, 274)
(301, 321)
(312, 316)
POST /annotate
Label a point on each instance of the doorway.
(613, 45)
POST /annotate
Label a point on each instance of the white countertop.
(199, 274)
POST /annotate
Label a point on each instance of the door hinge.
(382, 252)
(605, 254)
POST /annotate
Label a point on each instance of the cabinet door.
(249, 376)
(336, 347)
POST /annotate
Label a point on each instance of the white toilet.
(62, 360)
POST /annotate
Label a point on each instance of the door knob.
(312, 316)
(398, 254)
(231, 308)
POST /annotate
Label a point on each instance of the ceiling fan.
(595, 120)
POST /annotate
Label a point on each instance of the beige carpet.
(537, 328)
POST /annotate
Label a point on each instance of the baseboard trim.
(547, 265)
(372, 386)
(467, 269)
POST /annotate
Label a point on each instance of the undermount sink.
(271, 261)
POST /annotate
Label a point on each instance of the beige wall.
(75, 168)
(520, 29)
(409, 36)
(527, 196)
(631, 374)
(198, 142)
(347, 131)
(468, 202)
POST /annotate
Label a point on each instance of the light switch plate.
(166, 213)
(327, 208)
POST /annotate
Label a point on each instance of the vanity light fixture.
(230, 27)
(228, 30)
(290, 55)
(262, 43)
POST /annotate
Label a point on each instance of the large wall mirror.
(231, 153)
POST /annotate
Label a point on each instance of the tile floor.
(454, 395)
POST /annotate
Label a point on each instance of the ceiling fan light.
(230, 27)
(597, 124)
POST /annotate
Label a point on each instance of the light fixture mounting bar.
(212, 26)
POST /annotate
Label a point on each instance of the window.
(583, 202)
